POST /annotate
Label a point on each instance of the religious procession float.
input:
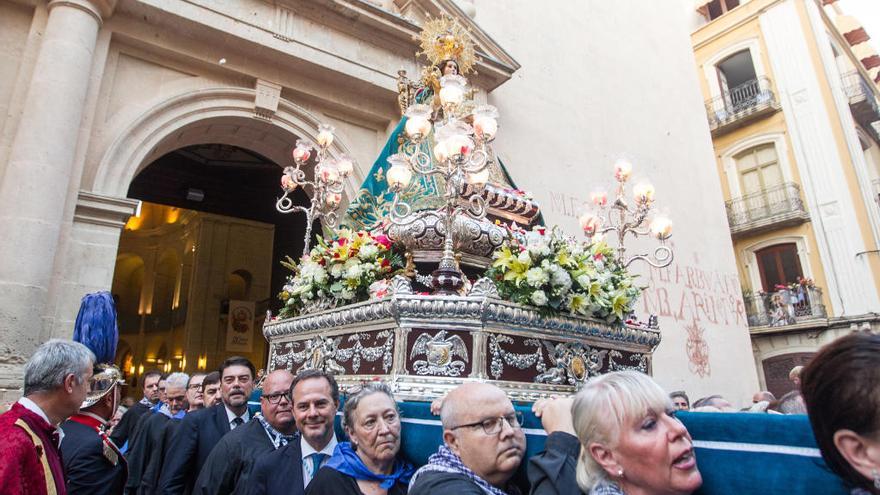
(441, 271)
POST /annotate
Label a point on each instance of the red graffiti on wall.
(691, 293)
(697, 350)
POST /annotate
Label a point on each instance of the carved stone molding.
(103, 210)
(268, 94)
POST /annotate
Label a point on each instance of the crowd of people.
(196, 434)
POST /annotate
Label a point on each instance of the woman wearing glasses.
(367, 464)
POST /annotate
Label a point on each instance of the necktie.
(317, 459)
(237, 422)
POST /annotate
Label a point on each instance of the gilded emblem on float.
(578, 368)
(573, 363)
(440, 352)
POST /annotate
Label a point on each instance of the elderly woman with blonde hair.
(630, 441)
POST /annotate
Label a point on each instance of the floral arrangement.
(557, 273)
(350, 268)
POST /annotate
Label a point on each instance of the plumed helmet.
(96, 328)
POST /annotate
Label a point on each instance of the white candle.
(485, 127)
(333, 199)
(452, 89)
(301, 153)
(345, 165)
(287, 183)
(589, 223)
(661, 227)
(643, 192)
(440, 152)
(399, 176)
(622, 170)
(328, 174)
(417, 127)
(458, 145)
(325, 135)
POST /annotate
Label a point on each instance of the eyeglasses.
(276, 397)
(195, 386)
(493, 426)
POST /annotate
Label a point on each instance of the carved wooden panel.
(432, 352)
(533, 360)
(362, 353)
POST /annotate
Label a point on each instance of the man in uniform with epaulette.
(93, 464)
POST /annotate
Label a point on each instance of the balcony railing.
(862, 101)
(771, 208)
(739, 105)
(785, 307)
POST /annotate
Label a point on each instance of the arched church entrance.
(198, 265)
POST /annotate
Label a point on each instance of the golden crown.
(443, 39)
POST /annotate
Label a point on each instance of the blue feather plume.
(96, 327)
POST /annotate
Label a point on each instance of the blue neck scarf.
(346, 461)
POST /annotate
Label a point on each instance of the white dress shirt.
(230, 416)
(307, 450)
(33, 407)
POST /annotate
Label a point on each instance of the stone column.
(38, 174)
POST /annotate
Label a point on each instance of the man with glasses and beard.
(315, 398)
(200, 431)
(229, 465)
(483, 444)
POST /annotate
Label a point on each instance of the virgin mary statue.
(449, 50)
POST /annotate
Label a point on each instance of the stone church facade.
(94, 93)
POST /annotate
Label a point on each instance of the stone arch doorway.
(206, 170)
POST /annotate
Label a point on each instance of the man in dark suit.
(227, 469)
(92, 463)
(125, 428)
(149, 443)
(200, 431)
(289, 469)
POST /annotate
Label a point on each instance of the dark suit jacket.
(193, 441)
(125, 428)
(279, 471)
(86, 470)
(228, 468)
(140, 447)
(553, 471)
(150, 447)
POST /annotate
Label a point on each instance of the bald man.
(228, 467)
(482, 433)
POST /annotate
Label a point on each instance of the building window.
(778, 265)
(717, 8)
(737, 79)
(758, 169)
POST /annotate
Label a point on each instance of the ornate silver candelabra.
(326, 185)
(623, 220)
(461, 156)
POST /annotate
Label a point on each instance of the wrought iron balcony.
(862, 101)
(740, 105)
(774, 207)
(798, 304)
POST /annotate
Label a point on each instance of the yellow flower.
(619, 303)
